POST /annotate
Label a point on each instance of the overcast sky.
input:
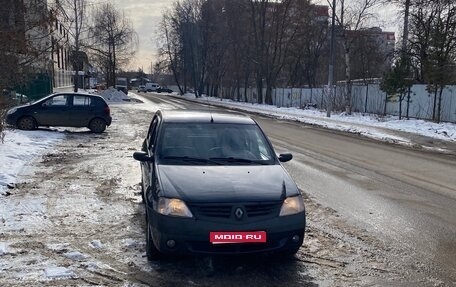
(146, 14)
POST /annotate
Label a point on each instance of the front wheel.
(142, 192)
(97, 125)
(26, 123)
(151, 251)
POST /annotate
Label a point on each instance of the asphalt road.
(403, 197)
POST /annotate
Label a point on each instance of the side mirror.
(284, 157)
(142, 156)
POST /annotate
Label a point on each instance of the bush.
(5, 104)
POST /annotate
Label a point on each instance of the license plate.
(237, 237)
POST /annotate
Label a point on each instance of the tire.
(97, 125)
(142, 192)
(26, 123)
(151, 251)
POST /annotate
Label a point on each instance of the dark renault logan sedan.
(66, 109)
(213, 184)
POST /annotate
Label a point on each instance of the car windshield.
(41, 99)
(213, 144)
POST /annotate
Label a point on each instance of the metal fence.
(365, 98)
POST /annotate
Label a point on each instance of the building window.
(63, 62)
(58, 57)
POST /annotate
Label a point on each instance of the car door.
(53, 111)
(81, 111)
(147, 167)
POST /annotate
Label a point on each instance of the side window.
(82, 101)
(57, 101)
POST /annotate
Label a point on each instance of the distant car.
(163, 90)
(141, 89)
(152, 87)
(212, 184)
(64, 109)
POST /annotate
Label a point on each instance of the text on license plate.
(238, 237)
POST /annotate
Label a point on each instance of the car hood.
(226, 183)
(21, 106)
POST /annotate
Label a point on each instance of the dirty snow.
(23, 214)
(53, 272)
(76, 256)
(3, 248)
(58, 246)
(113, 95)
(131, 243)
(18, 148)
(372, 126)
(96, 244)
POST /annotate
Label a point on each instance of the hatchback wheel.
(26, 123)
(97, 125)
(151, 251)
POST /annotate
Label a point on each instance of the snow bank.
(372, 126)
(18, 148)
(113, 95)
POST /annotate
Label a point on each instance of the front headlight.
(173, 207)
(12, 111)
(292, 205)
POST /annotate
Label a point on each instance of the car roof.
(76, 94)
(198, 116)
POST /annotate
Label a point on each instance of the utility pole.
(331, 61)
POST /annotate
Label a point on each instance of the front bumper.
(192, 236)
(108, 120)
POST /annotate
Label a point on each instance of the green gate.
(37, 88)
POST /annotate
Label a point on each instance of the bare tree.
(76, 13)
(24, 45)
(114, 41)
(304, 62)
(438, 20)
(352, 17)
(169, 47)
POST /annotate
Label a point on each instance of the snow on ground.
(3, 248)
(372, 126)
(18, 148)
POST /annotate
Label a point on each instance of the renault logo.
(238, 213)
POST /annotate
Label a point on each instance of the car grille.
(220, 211)
(255, 210)
(251, 210)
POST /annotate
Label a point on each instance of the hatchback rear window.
(82, 101)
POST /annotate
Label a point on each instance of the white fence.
(365, 99)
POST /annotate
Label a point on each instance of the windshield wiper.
(238, 160)
(191, 159)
